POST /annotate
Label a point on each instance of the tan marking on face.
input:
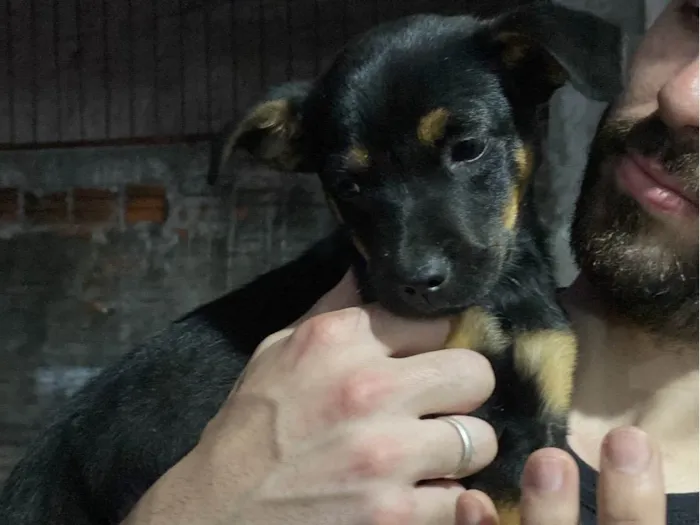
(431, 126)
(525, 160)
(355, 240)
(357, 158)
(510, 213)
(516, 47)
(548, 357)
(479, 331)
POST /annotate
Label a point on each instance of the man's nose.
(678, 99)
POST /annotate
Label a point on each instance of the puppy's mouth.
(427, 310)
(417, 306)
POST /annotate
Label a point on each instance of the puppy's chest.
(479, 328)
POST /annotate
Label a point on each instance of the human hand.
(327, 427)
(630, 487)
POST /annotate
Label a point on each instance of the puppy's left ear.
(271, 132)
(544, 45)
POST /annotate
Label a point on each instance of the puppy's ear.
(270, 132)
(544, 45)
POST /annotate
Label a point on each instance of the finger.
(403, 337)
(436, 503)
(450, 381)
(363, 331)
(406, 450)
(439, 448)
(429, 504)
(550, 489)
(631, 487)
(475, 508)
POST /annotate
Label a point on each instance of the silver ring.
(467, 447)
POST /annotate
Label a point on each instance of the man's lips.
(648, 183)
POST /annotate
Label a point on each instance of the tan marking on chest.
(357, 158)
(479, 331)
(548, 357)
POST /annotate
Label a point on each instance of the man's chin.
(643, 265)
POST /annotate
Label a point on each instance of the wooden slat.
(118, 48)
(100, 70)
(91, 15)
(143, 65)
(70, 77)
(170, 68)
(47, 87)
(303, 41)
(6, 95)
(23, 68)
(221, 73)
(195, 80)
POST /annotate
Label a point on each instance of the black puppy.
(424, 135)
(422, 132)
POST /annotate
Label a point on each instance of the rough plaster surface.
(70, 303)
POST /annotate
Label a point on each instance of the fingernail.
(627, 450)
(474, 512)
(546, 474)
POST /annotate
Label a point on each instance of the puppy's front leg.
(534, 370)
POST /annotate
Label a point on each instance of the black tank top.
(682, 509)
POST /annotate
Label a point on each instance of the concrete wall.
(99, 247)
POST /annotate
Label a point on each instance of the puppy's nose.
(429, 279)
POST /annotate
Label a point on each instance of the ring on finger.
(467, 447)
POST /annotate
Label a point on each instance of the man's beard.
(646, 273)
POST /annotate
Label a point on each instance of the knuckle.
(475, 367)
(219, 450)
(392, 507)
(330, 328)
(466, 367)
(373, 456)
(485, 369)
(360, 393)
(268, 342)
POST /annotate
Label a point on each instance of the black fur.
(417, 208)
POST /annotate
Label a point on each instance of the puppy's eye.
(468, 150)
(347, 188)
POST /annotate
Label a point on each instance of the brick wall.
(101, 247)
(80, 209)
